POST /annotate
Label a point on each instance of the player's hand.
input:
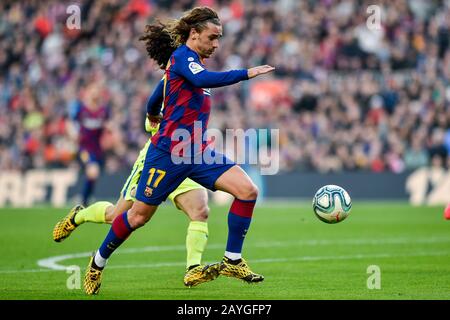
(256, 71)
(154, 120)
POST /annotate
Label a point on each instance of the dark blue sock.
(119, 232)
(237, 229)
(239, 219)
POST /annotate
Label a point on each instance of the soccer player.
(186, 99)
(91, 117)
(190, 197)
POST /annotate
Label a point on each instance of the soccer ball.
(332, 204)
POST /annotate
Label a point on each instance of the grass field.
(300, 256)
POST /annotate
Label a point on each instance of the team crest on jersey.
(148, 192)
(195, 67)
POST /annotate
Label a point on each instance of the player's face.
(92, 98)
(207, 41)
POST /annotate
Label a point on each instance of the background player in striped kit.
(90, 117)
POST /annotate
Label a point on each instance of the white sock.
(99, 260)
(233, 255)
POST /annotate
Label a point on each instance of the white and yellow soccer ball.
(332, 204)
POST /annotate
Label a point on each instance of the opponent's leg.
(66, 225)
(236, 182)
(98, 212)
(94, 213)
(121, 206)
(194, 203)
(102, 211)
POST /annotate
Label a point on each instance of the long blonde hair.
(161, 40)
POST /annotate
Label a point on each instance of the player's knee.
(253, 192)
(139, 214)
(110, 214)
(137, 220)
(249, 192)
(200, 213)
(92, 171)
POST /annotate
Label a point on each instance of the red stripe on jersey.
(206, 105)
(189, 117)
(184, 96)
(169, 111)
(155, 138)
(169, 128)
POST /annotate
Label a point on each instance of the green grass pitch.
(300, 256)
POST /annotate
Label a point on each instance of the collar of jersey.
(189, 49)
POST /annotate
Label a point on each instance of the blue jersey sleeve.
(190, 68)
(154, 103)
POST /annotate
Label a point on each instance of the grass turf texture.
(300, 256)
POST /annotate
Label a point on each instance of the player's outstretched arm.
(256, 71)
(208, 79)
(196, 74)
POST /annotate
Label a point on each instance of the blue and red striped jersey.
(91, 123)
(186, 100)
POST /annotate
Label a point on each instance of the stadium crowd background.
(345, 97)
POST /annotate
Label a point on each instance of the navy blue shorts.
(163, 173)
(87, 157)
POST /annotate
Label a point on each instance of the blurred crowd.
(353, 98)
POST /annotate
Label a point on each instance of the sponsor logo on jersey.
(195, 67)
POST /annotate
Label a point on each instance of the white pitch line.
(269, 260)
(53, 263)
(305, 258)
(26, 271)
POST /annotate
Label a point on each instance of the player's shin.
(233, 265)
(94, 213)
(196, 239)
(239, 219)
(119, 232)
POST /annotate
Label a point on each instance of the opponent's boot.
(65, 226)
